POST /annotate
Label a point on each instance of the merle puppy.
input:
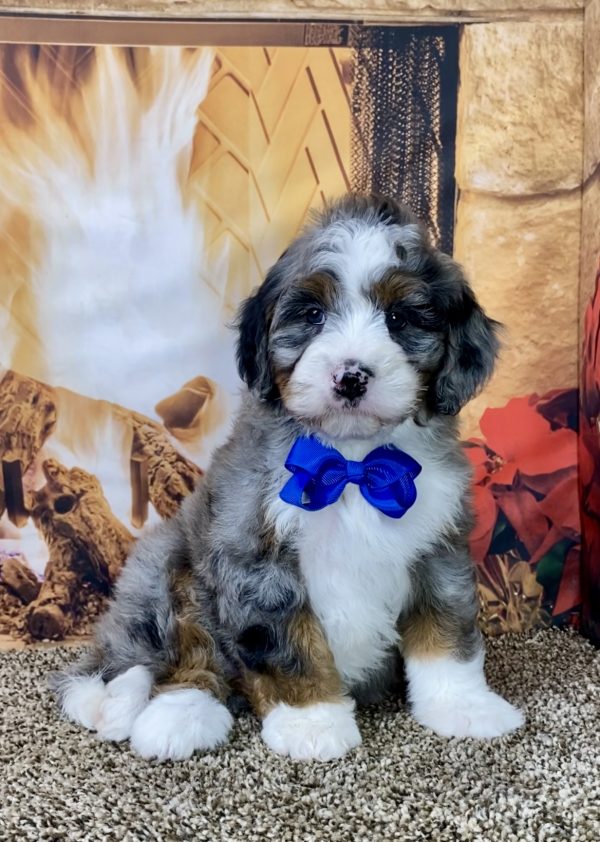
(329, 534)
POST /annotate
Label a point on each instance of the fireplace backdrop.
(143, 193)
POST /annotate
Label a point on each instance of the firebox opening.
(379, 115)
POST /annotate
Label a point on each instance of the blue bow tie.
(320, 474)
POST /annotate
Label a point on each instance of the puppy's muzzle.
(351, 381)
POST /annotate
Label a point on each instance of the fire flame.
(100, 174)
(102, 250)
(103, 448)
(26, 542)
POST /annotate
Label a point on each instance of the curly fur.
(241, 595)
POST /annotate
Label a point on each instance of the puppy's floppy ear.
(472, 344)
(253, 324)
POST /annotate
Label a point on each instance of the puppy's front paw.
(323, 731)
(177, 723)
(482, 714)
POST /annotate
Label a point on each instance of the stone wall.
(590, 227)
(518, 170)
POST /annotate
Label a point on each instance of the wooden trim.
(92, 31)
(133, 31)
(344, 11)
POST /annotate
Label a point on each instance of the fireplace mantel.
(381, 11)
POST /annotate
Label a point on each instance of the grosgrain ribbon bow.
(320, 474)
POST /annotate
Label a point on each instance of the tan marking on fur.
(197, 666)
(183, 591)
(319, 681)
(322, 287)
(427, 636)
(268, 540)
(282, 380)
(396, 287)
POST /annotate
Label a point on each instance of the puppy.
(331, 531)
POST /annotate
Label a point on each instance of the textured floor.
(543, 783)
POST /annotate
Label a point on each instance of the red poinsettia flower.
(526, 468)
(523, 440)
(590, 379)
(486, 511)
(560, 408)
(589, 463)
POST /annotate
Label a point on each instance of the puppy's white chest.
(356, 565)
(356, 583)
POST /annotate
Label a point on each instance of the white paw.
(452, 698)
(177, 723)
(126, 697)
(482, 714)
(82, 699)
(322, 731)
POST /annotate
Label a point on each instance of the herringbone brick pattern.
(273, 141)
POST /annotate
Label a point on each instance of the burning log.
(27, 417)
(14, 493)
(86, 542)
(20, 580)
(170, 476)
(140, 491)
(188, 411)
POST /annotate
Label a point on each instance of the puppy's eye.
(315, 316)
(395, 320)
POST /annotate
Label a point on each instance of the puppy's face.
(340, 344)
(361, 323)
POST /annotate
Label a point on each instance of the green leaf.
(503, 537)
(550, 566)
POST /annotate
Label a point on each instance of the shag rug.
(543, 783)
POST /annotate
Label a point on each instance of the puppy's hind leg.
(109, 708)
(108, 688)
(153, 675)
(81, 691)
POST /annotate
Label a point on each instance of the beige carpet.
(58, 783)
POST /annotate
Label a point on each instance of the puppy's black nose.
(351, 386)
(351, 382)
